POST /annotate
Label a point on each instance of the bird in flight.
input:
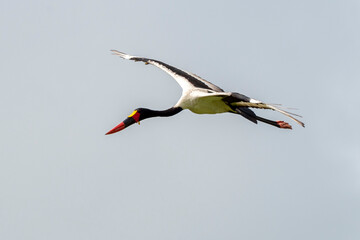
(201, 97)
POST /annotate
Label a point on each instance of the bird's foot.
(283, 124)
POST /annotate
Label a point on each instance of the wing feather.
(185, 79)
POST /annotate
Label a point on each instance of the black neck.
(166, 113)
(148, 113)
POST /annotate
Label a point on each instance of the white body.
(200, 101)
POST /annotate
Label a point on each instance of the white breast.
(202, 102)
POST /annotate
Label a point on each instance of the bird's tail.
(250, 115)
(240, 106)
(288, 114)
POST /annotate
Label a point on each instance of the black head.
(140, 114)
(137, 115)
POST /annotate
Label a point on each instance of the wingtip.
(116, 52)
(120, 54)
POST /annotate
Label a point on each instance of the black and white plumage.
(201, 97)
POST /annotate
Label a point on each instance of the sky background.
(189, 176)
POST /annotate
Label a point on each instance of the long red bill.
(118, 128)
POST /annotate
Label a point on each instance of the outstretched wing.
(185, 79)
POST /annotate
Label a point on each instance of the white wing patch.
(183, 82)
(254, 101)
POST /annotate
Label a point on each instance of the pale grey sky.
(189, 176)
